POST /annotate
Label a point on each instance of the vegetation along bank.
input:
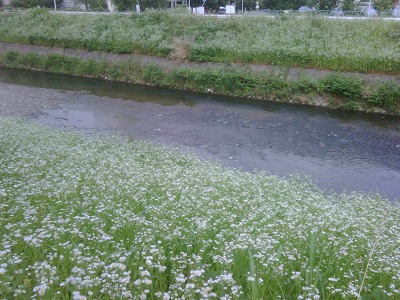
(223, 54)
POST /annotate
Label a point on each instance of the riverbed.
(339, 151)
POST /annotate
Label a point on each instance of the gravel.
(17, 100)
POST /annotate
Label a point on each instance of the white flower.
(180, 278)
(142, 296)
(147, 281)
(40, 289)
(166, 296)
(77, 296)
(251, 278)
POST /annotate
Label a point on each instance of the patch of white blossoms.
(92, 217)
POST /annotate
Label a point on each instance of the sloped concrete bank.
(168, 65)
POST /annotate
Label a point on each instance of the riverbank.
(366, 46)
(339, 90)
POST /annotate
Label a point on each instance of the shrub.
(34, 3)
(61, 63)
(91, 68)
(347, 86)
(386, 95)
(31, 60)
(180, 49)
(273, 83)
(153, 74)
(304, 85)
(11, 57)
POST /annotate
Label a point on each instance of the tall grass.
(102, 217)
(356, 45)
(336, 89)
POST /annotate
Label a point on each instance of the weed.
(348, 86)
(154, 74)
(180, 49)
(11, 57)
(386, 95)
(60, 63)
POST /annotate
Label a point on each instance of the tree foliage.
(382, 4)
(124, 5)
(284, 4)
(130, 5)
(34, 3)
(296, 4)
(96, 5)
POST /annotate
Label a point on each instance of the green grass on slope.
(89, 217)
(353, 45)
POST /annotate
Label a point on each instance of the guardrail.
(345, 13)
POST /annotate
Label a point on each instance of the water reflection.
(94, 86)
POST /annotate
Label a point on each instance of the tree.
(383, 4)
(296, 4)
(96, 5)
(153, 4)
(326, 4)
(124, 5)
(34, 3)
(348, 4)
(284, 4)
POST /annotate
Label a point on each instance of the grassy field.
(99, 217)
(358, 45)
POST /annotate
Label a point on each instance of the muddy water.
(340, 151)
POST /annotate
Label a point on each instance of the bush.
(304, 85)
(91, 68)
(386, 95)
(11, 57)
(153, 74)
(60, 63)
(31, 60)
(347, 86)
(34, 3)
(382, 5)
(180, 49)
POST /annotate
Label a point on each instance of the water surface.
(340, 151)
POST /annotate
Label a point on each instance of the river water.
(340, 151)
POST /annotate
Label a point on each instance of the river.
(338, 150)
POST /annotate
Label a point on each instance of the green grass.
(339, 90)
(342, 45)
(103, 217)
